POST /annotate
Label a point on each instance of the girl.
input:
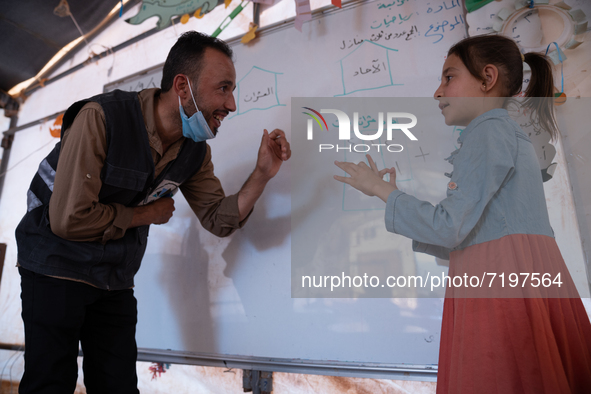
(493, 220)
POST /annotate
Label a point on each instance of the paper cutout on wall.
(166, 9)
(304, 13)
(251, 35)
(473, 5)
(57, 129)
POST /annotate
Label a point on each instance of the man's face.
(215, 86)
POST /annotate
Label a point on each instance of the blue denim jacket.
(495, 190)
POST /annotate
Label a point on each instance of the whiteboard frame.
(423, 373)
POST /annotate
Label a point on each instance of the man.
(121, 157)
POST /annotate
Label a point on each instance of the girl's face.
(457, 92)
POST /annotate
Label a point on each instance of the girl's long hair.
(477, 52)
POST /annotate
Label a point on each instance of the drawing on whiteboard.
(423, 154)
(257, 90)
(367, 67)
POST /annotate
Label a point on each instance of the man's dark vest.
(128, 179)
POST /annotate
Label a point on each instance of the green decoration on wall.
(166, 9)
(473, 5)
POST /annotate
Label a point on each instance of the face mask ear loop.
(193, 97)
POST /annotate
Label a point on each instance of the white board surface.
(232, 296)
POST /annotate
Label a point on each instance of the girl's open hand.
(368, 179)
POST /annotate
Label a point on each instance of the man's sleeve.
(74, 209)
(218, 213)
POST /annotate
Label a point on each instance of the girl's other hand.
(368, 179)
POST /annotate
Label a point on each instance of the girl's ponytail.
(540, 92)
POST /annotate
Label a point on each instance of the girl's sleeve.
(482, 165)
(433, 250)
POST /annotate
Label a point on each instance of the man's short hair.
(186, 56)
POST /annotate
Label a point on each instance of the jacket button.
(452, 186)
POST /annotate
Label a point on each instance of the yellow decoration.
(198, 14)
(250, 35)
(185, 18)
(227, 2)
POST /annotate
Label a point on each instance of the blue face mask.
(195, 127)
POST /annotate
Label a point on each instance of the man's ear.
(180, 86)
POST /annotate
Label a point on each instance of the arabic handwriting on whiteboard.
(376, 67)
(351, 43)
(141, 85)
(534, 124)
(365, 121)
(257, 95)
(439, 7)
(388, 20)
(408, 35)
(397, 3)
(439, 29)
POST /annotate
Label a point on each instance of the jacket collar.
(493, 113)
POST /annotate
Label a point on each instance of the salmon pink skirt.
(521, 339)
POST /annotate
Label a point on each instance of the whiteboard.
(231, 297)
